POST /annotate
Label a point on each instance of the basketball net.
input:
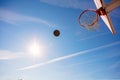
(89, 19)
(93, 27)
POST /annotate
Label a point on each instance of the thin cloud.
(115, 65)
(15, 18)
(76, 4)
(7, 55)
(69, 56)
(92, 37)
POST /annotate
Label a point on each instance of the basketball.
(56, 33)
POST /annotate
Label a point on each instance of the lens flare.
(36, 49)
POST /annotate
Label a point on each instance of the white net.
(89, 20)
(93, 27)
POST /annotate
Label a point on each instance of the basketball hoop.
(89, 18)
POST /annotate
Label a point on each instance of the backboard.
(106, 17)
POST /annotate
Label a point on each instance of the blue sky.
(77, 54)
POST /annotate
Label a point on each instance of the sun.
(36, 49)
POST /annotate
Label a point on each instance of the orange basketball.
(56, 33)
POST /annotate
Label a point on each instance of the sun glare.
(36, 49)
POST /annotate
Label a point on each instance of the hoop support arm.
(112, 5)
